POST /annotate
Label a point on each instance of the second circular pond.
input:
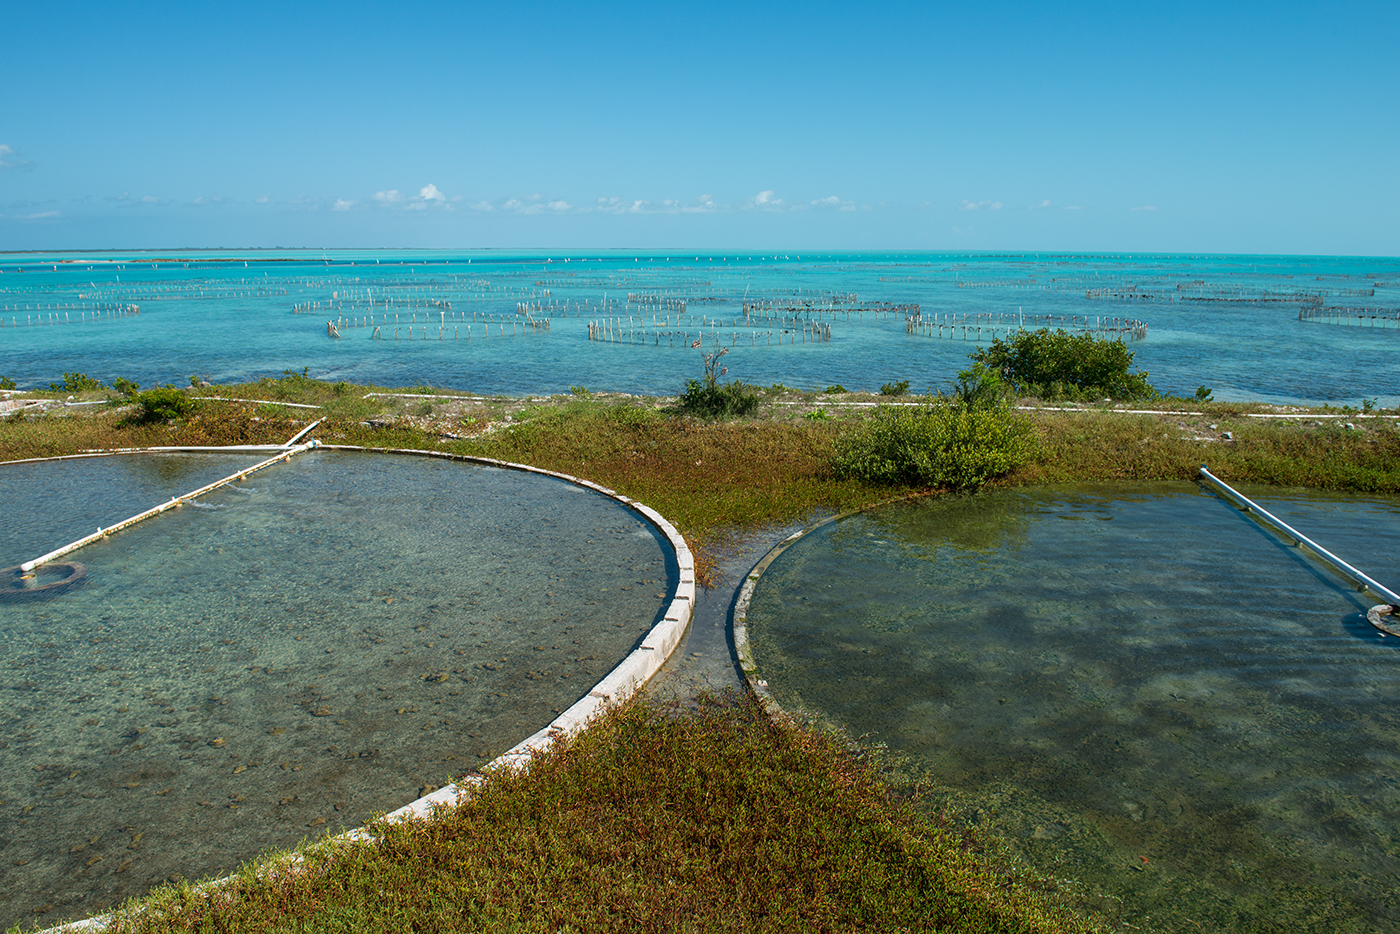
(1144, 692)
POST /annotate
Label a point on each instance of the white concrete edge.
(420, 395)
(739, 621)
(294, 405)
(621, 683)
(192, 449)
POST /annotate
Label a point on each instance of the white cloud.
(10, 160)
(1043, 204)
(705, 204)
(41, 215)
(1146, 207)
(262, 199)
(979, 205)
(391, 196)
(199, 200)
(765, 201)
(429, 192)
(831, 201)
(616, 205)
(342, 204)
(483, 206)
(150, 199)
(558, 205)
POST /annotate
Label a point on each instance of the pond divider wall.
(621, 683)
(740, 625)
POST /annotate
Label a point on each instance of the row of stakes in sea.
(989, 325)
(88, 313)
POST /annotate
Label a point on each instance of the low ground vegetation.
(714, 819)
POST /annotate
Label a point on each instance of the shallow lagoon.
(266, 313)
(1146, 693)
(289, 656)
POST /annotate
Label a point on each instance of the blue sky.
(1239, 127)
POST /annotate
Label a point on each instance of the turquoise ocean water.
(518, 323)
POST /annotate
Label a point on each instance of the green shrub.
(76, 382)
(125, 386)
(6, 383)
(708, 398)
(895, 389)
(834, 389)
(162, 404)
(1061, 365)
(728, 400)
(980, 387)
(959, 444)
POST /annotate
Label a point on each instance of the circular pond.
(286, 656)
(1141, 690)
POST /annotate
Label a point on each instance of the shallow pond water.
(290, 655)
(1138, 688)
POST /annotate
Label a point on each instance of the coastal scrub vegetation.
(708, 398)
(161, 404)
(958, 443)
(75, 383)
(654, 819)
(1060, 365)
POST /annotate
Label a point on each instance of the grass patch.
(711, 820)
(1115, 446)
(704, 477)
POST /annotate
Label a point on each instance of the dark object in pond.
(45, 580)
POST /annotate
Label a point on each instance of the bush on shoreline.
(1061, 365)
(959, 443)
(708, 398)
(162, 404)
